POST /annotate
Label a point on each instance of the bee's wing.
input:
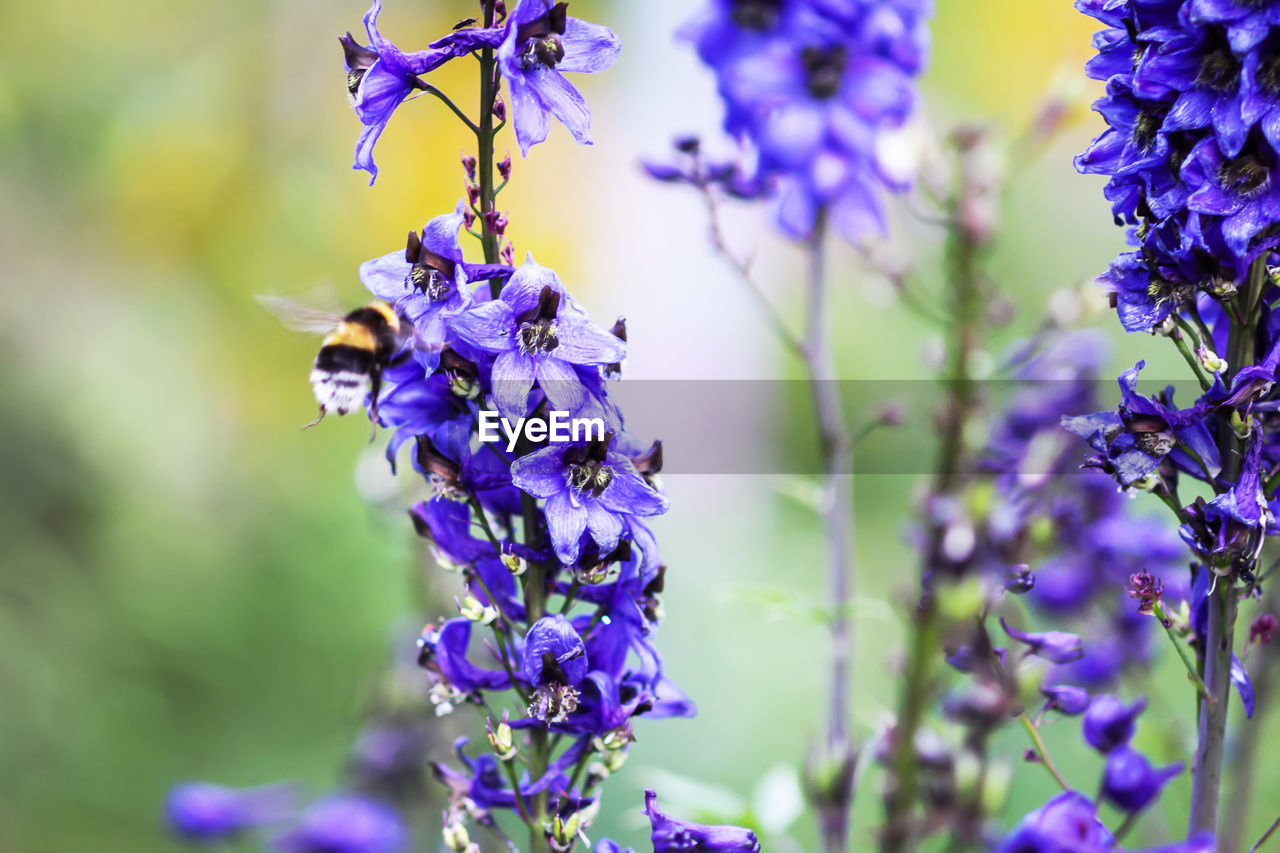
(299, 316)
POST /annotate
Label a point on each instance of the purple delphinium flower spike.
(199, 811)
(345, 824)
(677, 836)
(379, 78)
(1053, 646)
(1109, 723)
(587, 487)
(538, 333)
(1130, 782)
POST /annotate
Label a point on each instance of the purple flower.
(538, 332)
(1066, 699)
(541, 43)
(676, 836)
(1130, 782)
(199, 811)
(379, 77)
(1132, 442)
(553, 651)
(538, 43)
(1109, 723)
(1066, 824)
(587, 487)
(428, 282)
(346, 824)
(1053, 646)
(608, 845)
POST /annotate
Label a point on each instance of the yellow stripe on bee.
(388, 313)
(355, 335)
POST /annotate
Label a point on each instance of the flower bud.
(475, 610)
(1263, 628)
(1109, 723)
(504, 167)
(499, 108)
(1210, 360)
(502, 739)
(564, 832)
(456, 837)
(513, 561)
(469, 164)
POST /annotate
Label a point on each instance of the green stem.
(1163, 615)
(1206, 781)
(484, 137)
(1043, 751)
(966, 309)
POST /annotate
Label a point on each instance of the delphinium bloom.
(538, 44)
(538, 333)
(380, 76)
(1062, 539)
(1070, 821)
(1190, 155)
(817, 89)
(551, 635)
(199, 811)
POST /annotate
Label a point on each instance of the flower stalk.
(838, 522)
(964, 333)
(1224, 598)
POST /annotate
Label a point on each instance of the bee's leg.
(318, 419)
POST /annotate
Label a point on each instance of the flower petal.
(512, 379)
(588, 47)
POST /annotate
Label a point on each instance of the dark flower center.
(1219, 69)
(587, 471)
(354, 76)
(1244, 175)
(431, 273)
(1269, 73)
(538, 331)
(824, 69)
(1145, 129)
(540, 41)
(758, 15)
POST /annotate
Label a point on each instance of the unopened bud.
(499, 108)
(513, 561)
(1263, 628)
(502, 739)
(473, 609)
(1210, 360)
(469, 163)
(564, 832)
(504, 167)
(456, 837)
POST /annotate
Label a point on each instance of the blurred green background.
(193, 588)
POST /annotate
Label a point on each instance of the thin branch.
(743, 269)
(1266, 835)
(432, 90)
(1043, 751)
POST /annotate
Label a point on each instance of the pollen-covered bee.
(357, 348)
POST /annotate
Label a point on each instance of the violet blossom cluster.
(815, 91)
(553, 636)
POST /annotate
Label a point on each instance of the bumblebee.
(356, 350)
